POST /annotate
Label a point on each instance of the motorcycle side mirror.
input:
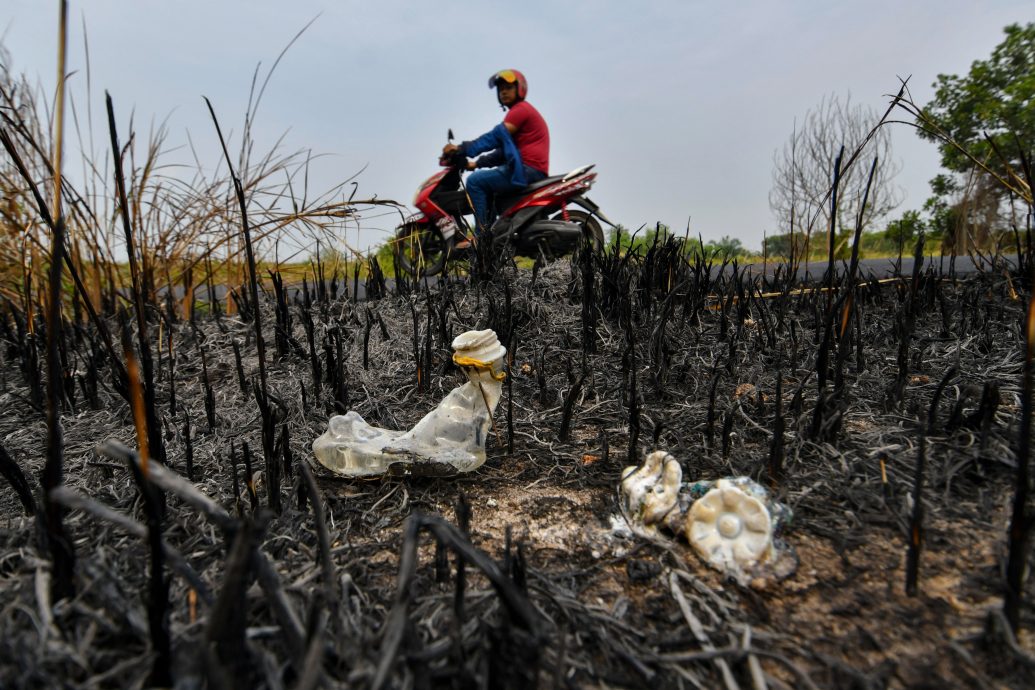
(449, 135)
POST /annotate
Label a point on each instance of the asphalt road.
(888, 268)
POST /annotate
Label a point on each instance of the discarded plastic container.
(731, 523)
(730, 526)
(448, 440)
(651, 490)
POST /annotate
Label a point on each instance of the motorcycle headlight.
(431, 181)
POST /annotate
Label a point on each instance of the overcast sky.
(681, 104)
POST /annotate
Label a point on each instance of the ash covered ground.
(522, 573)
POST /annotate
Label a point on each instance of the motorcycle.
(536, 220)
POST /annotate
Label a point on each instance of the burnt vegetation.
(887, 412)
(163, 524)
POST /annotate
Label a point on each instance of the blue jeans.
(486, 184)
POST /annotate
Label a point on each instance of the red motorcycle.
(536, 220)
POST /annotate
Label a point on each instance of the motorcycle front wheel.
(420, 249)
(591, 229)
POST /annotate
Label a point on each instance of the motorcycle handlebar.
(456, 159)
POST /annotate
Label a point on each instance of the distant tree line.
(984, 125)
(643, 239)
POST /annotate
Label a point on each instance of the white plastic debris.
(731, 523)
(651, 490)
(449, 439)
(730, 528)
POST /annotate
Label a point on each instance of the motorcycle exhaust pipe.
(561, 236)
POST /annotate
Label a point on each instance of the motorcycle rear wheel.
(590, 228)
(420, 250)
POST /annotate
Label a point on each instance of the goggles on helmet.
(505, 75)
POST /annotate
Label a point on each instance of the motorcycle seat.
(556, 178)
(546, 181)
(507, 200)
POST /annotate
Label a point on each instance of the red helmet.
(510, 76)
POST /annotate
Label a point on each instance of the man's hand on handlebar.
(452, 156)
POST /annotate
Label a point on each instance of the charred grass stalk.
(776, 449)
(249, 477)
(629, 360)
(253, 280)
(419, 373)
(330, 366)
(330, 591)
(241, 304)
(860, 346)
(586, 261)
(156, 446)
(508, 317)
(764, 315)
(727, 427)
(427, 356)
(30, 365)
(823, 422)
(710, 420)
(939, 391)
(355, 282)
(463, 522)
(341, 383)
(1021, 521)
(58, 542)
(242, 380)
(904, 323)
(158, 590)
(986, 415)
(188, 448)
(832, 230)
(510, 394)
(916, 520)
(849, 304)
(235, 485)
(524, 637)
(282, 329)
(210, 396)
(171, 358)
(154, 509)
(310, 334)
(376, 284)
(546, 396)
(229, 662)
(284, 445)
(270, 418)
(563, 434)
(659, 347)
(16, 478)
(319, 277)
(367, 327)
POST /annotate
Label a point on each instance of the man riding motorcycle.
(517, 151)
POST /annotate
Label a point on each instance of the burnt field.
(885, 413)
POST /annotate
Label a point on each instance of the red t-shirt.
(532, 136)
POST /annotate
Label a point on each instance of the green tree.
(905, 229)
(727, 246)
(991, 108)
(777, 245)
(640, 239)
